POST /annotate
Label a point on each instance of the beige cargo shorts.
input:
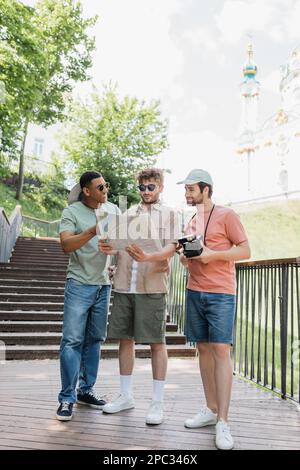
(140, 317)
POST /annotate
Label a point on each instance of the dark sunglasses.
(150, 187)
(102, 186)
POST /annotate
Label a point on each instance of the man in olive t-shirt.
(87, 293)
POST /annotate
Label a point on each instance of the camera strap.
(207, 223)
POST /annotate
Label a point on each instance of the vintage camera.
(192, 245)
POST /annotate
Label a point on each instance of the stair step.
(21, 297)
(51, 326)
(37, 267)
(31, 305)
(17, 259)
(30, 316)
(38, 260)
(33, 275)
(30, 326)
(51, 306)
(36, 240)
(44, 315)
(31, 290)
(31, 283)
(107, 351)
(40, 338)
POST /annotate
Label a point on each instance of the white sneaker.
(122, 402)
(224, 440)
(155, 413)
(204, 418)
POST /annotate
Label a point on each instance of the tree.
(116, 137)
(22, 71)
(57, 57)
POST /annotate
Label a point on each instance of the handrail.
(9, 232)
(269, 262)
(34, 227)
(41, 220)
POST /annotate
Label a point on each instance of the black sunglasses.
(151, 187)
(102, 186)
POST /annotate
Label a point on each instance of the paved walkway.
(28, 401)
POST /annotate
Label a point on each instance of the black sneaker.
(91, 399)
(65, 411)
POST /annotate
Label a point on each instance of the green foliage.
(23, 69)
(68, 51)
(44, 202)
(116, 137)
(44, 51)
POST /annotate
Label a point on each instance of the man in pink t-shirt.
(211, 299)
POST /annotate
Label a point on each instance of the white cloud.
(134, 46)
(202, 37)
(278, 19)
(292, 21)
(239, 17)
(205, 150)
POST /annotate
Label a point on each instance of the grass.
(30, 207)
(273, 229)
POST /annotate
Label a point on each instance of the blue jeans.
(210, 317)
(84, 329)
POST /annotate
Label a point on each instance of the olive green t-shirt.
(87, 264)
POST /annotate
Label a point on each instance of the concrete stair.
(31, 305)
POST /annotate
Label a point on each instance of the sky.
(189, 55)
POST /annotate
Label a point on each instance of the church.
(269, 155)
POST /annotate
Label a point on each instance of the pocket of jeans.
(74, 282)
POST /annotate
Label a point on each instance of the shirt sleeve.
(67, 222)
(234, 229)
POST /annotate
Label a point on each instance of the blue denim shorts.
(210, 317)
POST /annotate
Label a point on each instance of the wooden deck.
(28, 401)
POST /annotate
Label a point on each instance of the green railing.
(267, 325)
(33, 227)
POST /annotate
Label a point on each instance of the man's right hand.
(183, 260)
(106, 248)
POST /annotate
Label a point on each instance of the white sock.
(158, 390)
(126, 384)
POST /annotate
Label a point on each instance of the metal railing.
(9, 232)
(267, 328)
(267, 325)
(33, 227)
(176, 299)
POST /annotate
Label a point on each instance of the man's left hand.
(207, 256)
(137, 253)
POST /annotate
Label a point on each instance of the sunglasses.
(150, 187)
(102, 186)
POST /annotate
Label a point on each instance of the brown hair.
(202, 186)
(149, 173)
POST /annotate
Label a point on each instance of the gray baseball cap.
(74, 195)
(197, 176)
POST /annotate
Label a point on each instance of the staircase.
(31, 305)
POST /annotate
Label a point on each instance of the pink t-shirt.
(224, 231)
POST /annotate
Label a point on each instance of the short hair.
(150, 173)
(202, 186)
(87, 177)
